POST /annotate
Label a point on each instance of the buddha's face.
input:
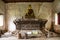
(29, 7)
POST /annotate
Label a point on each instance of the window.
(1, 20)
(56, 19)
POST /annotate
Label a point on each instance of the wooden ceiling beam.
(13, 1)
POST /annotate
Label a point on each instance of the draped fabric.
(58, 18)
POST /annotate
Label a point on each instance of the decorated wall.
(18, 10)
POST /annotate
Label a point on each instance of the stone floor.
(41, 38)
(11, 37)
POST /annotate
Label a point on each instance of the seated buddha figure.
(30, 13)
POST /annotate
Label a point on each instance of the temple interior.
(29, 19)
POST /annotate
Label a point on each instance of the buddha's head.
(29, 6)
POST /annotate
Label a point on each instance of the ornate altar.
(30, 24)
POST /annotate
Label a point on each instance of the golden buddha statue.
(30, 13)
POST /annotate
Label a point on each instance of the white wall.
(2, 7)
(17, 10)
(56, 10)
(2, 10)
(57, 6)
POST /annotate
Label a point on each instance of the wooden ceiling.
(13, 1)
